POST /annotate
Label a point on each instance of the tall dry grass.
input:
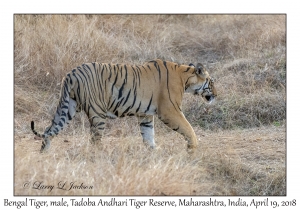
(246, 54)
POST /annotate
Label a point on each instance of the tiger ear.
(191, 65)
(200, 69)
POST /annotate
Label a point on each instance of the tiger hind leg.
(45, 144)
(97, 128)
(147, 130)
(56, 122)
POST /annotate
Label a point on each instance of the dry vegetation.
(242, 136)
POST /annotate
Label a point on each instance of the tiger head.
(202, 84)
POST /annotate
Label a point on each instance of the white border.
(17, 6)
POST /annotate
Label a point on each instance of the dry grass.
(242, 146)
(244, 162)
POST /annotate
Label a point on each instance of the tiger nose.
(208, 98)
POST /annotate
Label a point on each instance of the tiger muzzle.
(210, 98)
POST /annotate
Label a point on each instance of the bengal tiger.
(106, 90)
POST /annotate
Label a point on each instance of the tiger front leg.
(147, 130)
(178, 122)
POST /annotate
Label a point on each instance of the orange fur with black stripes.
(117, 90)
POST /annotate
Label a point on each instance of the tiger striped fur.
(118, 90)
